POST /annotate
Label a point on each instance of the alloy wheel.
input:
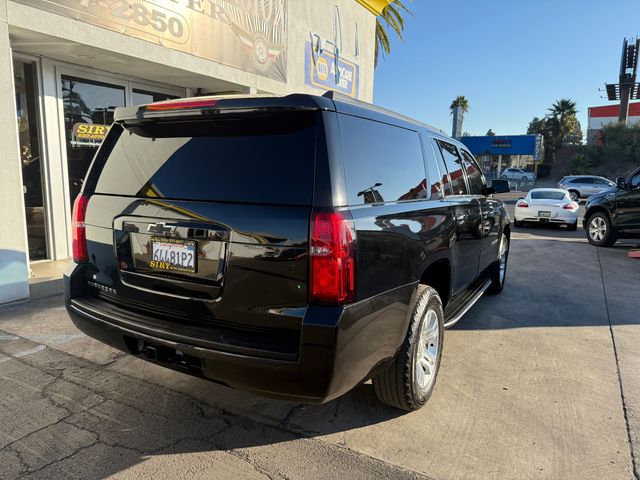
(426, 357)
(597, 229)
(502, 257)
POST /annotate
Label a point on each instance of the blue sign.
(322, 71)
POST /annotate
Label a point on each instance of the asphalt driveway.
(539, 382)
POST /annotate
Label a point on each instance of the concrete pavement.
(538, 382)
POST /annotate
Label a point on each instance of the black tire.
(572, 227)
(518, 223)
(397, 386)
(504, 177)
(575, 195)
(498, 280)
(609, 237)
(524, 179)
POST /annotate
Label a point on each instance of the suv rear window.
(266, 159)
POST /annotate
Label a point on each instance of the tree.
(490, 133)
(460, 104)
(391, 18)
(565, 113)
(460, 101)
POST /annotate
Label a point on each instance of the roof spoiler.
(218, 105)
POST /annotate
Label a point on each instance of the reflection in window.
(88, 113)
(474, 175)
(434, 183)
(382, 162)
(454, 165)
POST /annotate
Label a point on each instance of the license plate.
(170, 254)
(544, 214)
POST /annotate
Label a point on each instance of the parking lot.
(538, 382)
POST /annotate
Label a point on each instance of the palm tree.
(462, 102)
(562, 109)
(459, 106)
(391, 17)
(564, 112)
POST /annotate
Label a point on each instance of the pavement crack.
(634, 466)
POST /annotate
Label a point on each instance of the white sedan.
(547, 205)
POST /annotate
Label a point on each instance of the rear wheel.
(499, 268)
(408, 382)
(518, 223)
(600, 231)
(503, 177)
(575, 195)
(572, 227)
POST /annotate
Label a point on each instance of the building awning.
(374, 6)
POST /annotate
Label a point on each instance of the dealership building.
(495, 153)
(65, 65)
(599, 117)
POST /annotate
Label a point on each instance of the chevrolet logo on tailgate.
(161, 228)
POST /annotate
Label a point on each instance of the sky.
(511, 59)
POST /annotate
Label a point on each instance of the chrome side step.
(470, 304)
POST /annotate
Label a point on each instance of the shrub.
(581, 164)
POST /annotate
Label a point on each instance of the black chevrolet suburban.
(290, 246)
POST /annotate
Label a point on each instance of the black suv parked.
(292, 246)
(614, 213)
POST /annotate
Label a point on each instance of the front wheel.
(600, 231)
(408, 382)
(499, 267)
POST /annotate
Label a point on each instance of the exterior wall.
(119, 53)
(318, 16)
(14, 273)
(599, 117)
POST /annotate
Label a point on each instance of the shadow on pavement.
(73, 418)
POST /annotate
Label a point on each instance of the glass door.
(88, 107)
(31, 157)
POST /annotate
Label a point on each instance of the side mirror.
(621, 182)
(500, 186)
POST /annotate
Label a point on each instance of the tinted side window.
(474, 175)
(583, 181)
(454, 166)
(382, 163)
(435, 179)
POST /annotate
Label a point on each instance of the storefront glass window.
(141, 97)
(30, 157)
(88, 113)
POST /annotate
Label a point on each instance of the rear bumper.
(568, 219)
(339, 346)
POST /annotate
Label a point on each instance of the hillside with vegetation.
(617, 154)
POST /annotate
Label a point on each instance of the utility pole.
(627, 88)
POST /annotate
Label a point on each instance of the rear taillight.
(522, 204)
(332, 259)
(571, 206)
(78, 230)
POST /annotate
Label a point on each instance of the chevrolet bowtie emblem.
(161, 228)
